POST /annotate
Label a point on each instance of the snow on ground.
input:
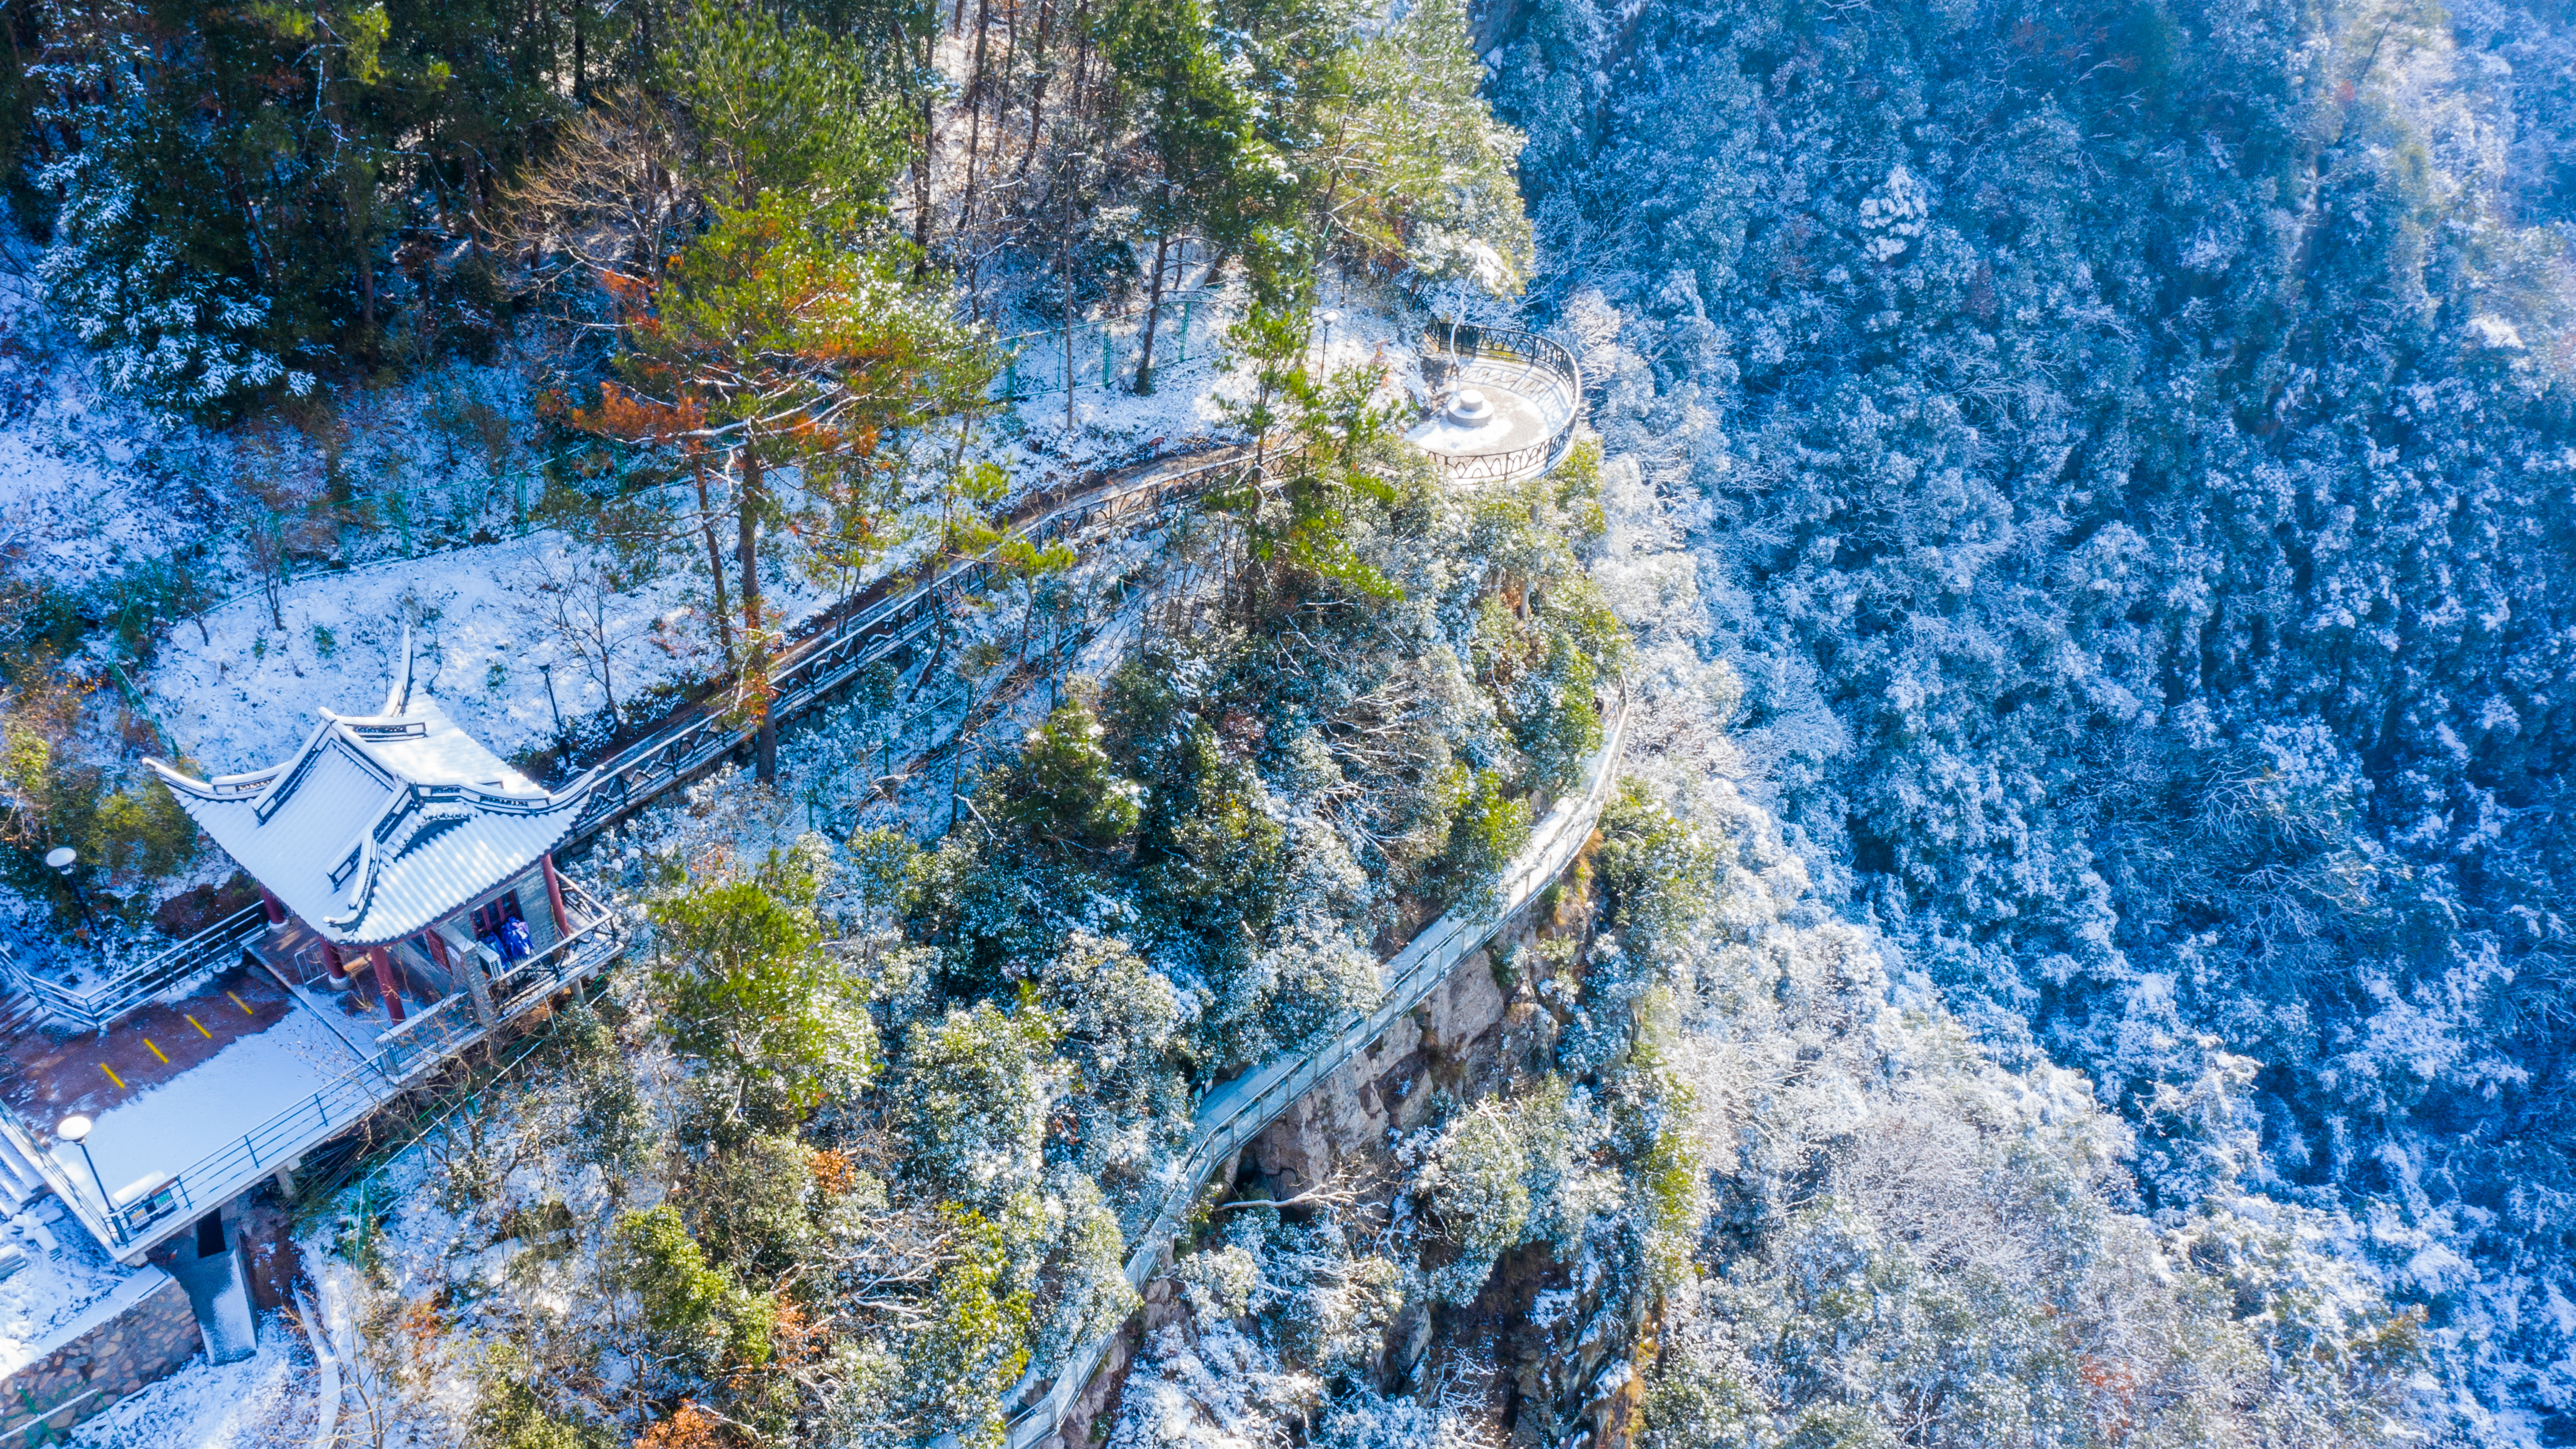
(212, 1105)
(262, 1402)
(242, 695)
(71, 506)
(1215, 1389)
(65, 1273)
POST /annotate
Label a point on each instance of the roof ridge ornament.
(398, 688)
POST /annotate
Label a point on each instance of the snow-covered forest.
(2062, 557)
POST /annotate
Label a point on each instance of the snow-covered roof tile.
(382, 823)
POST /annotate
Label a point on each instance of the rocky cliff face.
(1535, 1348)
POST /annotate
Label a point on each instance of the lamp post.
(62, 860)
(548, 671)
(75, 1130)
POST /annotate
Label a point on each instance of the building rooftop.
(381, 823)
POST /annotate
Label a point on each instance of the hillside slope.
(2128, 450)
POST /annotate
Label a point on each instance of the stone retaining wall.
(141, 1332)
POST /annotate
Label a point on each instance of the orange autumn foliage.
(690, 1428)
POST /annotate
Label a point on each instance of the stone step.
(20, 1182)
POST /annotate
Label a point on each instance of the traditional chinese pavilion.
(409, 908)
(396, 853)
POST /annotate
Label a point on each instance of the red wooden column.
(554, 897)
(271, 907)
(384, 964)
(331, 958)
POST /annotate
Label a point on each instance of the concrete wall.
(141, 1332)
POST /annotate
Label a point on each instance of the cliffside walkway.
(1527, 373)
(1235, 1112)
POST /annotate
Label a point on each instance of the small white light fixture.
(61, 859)
(75, 1130)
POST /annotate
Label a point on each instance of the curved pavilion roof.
(381, 823)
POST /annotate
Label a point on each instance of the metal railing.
(1540, 369)
(213, 949)
(136, 1221)
(1232, 1114)
(814, 669)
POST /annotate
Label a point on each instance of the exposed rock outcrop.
(1562, 1372)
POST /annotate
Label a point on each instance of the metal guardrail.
(813, 669)
(212, 949)
(1234, 1113)
(403, 1056)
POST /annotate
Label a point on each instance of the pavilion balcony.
(229, 1058)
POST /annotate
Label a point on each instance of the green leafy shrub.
(1064, 790)
(696, 1312)
(973, 1097)
(774, 1022)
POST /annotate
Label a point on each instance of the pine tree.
(778, 344)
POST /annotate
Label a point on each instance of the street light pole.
(75, 1130)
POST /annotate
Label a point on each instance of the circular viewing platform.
(1508, 402)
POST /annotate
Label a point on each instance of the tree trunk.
(603, 641)
(974, 118)
(928, 141)
(358, 195)
(1081, 58)
(1037, 87)
(715, 562)
(1064, 253)
(755, 663)
(1153, 314)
